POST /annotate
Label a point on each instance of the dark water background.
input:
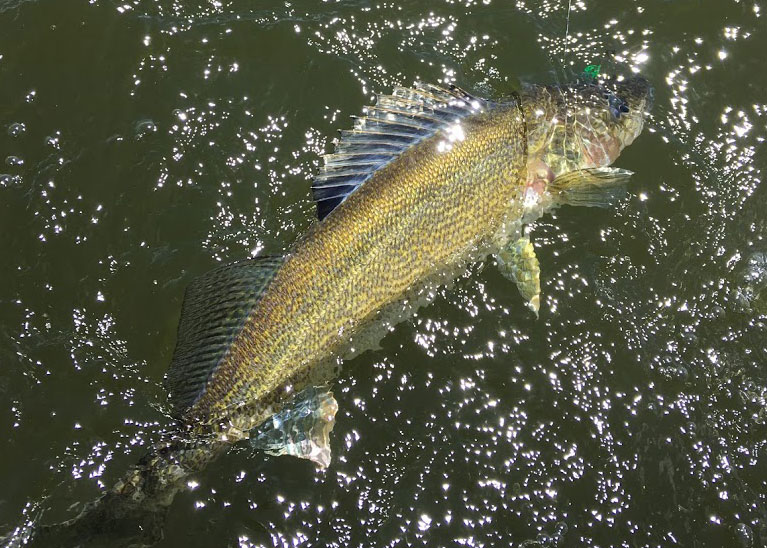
(142, 142)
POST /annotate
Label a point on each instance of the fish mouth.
(638, 96)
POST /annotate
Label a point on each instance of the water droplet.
(144, 128)
(14, 161)
(16, 129)
(744, 535)
(54, 141)
(7, 180)
(559, 533)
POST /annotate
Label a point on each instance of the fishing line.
(564, 65)
(567, 34)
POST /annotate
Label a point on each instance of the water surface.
(144, 142)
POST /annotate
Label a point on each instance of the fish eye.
(616, 105)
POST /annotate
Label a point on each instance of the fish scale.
(424, 210)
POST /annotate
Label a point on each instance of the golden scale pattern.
(420, 213)
(423, 210)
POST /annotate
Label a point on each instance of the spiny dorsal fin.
(395, 123)
(215, 308)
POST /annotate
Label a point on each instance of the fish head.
(581, 125)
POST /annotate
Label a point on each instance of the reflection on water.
(751, 284)
(143, 142)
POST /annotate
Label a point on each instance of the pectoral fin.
(302, 429)
(519, 264)
(596, 187)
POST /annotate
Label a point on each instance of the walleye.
(428, 180)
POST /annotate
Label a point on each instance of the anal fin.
(519, 263)
(595, 187)
(302, 429)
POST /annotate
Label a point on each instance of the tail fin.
(111, 521)
(133, 512)
(215, 308)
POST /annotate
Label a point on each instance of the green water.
(142, 142)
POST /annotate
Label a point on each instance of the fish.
(429, 180)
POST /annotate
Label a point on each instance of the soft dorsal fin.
(395, 123)
(215, 308)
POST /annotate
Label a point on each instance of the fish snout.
(637, 92)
